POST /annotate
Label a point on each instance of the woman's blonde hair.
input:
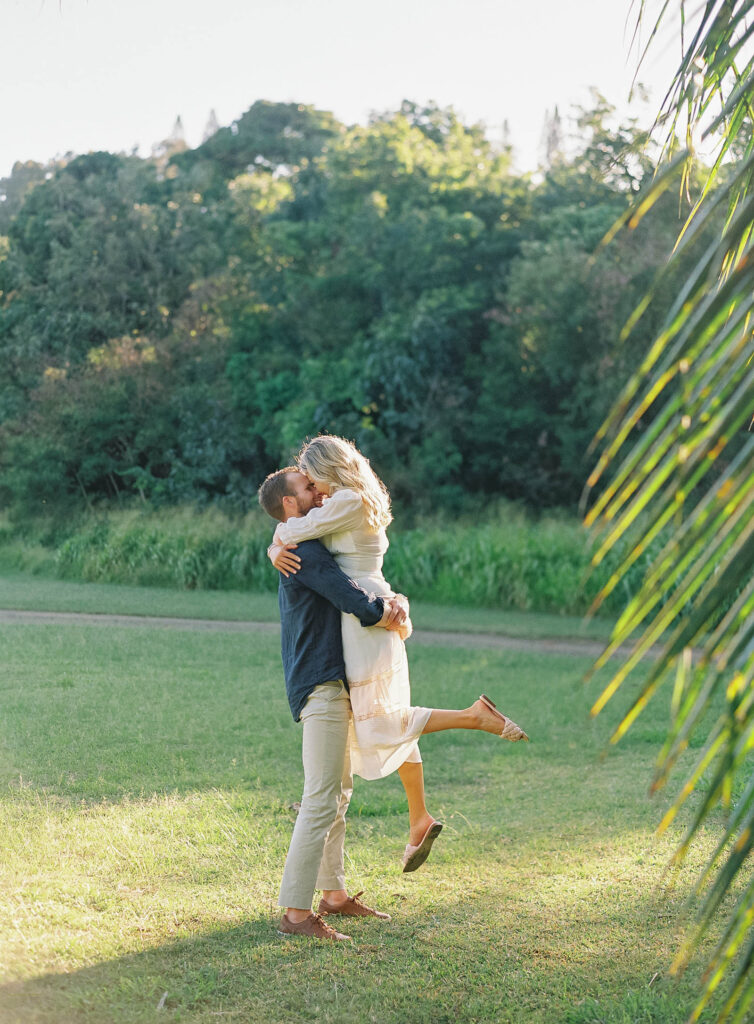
(337, 462)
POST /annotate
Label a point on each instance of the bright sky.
(80, 75)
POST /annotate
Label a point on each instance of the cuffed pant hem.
(334, 882)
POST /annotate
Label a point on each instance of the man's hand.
(282, 557)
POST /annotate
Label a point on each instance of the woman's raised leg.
(481, 715)
(423, 828)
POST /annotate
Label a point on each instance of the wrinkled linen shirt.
(310, 604)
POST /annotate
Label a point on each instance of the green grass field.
(27, 592)
(147, 783)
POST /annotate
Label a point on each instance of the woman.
(385, 727)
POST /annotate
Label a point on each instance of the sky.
(82, 75)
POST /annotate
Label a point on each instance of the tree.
(170, 146)
(554, 336)
(14, 189)
(268, 136)
(394, 282)
(89, 260)
(552, 145)
(677, 462)
(211, 126)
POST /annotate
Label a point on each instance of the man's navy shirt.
(310, 605)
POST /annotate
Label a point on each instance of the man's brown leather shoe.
(352, 907)
(314, 926)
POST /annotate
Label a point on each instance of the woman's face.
(323, 488)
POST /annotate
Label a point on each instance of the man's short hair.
(274, 489)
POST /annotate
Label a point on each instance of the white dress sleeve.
(343, 511)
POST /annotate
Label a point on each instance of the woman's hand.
(395, 616)
(401, 621)
(400, 612)
(282, 557)
(405, 629)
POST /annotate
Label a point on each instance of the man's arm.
(320, 572)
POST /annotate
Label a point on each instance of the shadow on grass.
(459, 962)
(195, 972)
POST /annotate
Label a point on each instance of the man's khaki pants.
(315, 856)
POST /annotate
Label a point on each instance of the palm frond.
(676, 471)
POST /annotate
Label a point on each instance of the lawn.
(147, 783)
(27, 592)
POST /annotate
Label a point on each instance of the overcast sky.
(81, 75)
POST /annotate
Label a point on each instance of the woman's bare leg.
(478, 716)
(419, 819)
(411, 773)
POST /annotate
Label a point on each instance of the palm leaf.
(676, 471)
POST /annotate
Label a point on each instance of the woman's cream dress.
(385, 727)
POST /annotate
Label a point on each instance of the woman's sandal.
(511, 731)
(415, 856)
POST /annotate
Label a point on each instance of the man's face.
(305, 493)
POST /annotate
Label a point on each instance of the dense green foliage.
(171, 329)
(510, 561)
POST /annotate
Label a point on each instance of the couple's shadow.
(206, 971)
(247, 972)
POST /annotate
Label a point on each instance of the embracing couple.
(346, 673)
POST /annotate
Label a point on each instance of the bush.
(513, 562)
(175, 547)
(509, 561)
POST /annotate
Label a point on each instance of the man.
(311, 601)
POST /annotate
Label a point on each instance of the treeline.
(172, 328)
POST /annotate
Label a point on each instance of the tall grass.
(173, 547)
(510, 561)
